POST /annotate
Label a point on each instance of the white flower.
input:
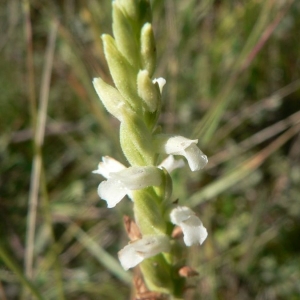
(170, 163)
(193, 230)
(135, 252)
(179, 145)
(121, 180)
(108, 165)
(161, 82)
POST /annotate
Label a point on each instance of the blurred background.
(233, 82)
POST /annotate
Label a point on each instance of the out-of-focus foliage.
(233, 82)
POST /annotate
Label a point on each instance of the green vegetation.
(233, 82)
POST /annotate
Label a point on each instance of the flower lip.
(112, 192)
(107, 166)
(193, 230)
(135, 252)
(170, 163)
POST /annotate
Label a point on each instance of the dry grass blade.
(266, 104)
(100, 254)
(233, 177)
(208, 125)
(29, 61)
(254, 140)
(38, 142)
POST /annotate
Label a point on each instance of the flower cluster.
(122, 180)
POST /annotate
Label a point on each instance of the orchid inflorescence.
(136, 102)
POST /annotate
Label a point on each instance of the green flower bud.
(147, 209)
(124, 36)
(131, 7)
(148, 49)
(122, 72)
(157, 274)
(148, 91)
(139, 11)
(111, 98)
(167, 186)
(136, 141)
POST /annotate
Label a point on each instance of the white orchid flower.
(179, 145)
(135, 252)
(193, 230)
(121, 180)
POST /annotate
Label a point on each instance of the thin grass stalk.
(54, 254)
(38, 143)
(209, 123)
(100, 254)
(249, 111)
(255, 140)
(223, 258)
(29, 62)
(242, 171)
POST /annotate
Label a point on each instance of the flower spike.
(135, 100)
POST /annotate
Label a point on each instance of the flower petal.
(193, 230)
(180, 214)
(135, 252)
(112, 191)
(176, 144)
(108, 165)
(170, 163)
(161, 82)
(135, 178)
(196, 158)
(129, 257)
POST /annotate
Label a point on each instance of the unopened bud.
(124, 36)
(111, 98)
(136, 141)
(148, 49)
(123, 74)
(148, 91)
